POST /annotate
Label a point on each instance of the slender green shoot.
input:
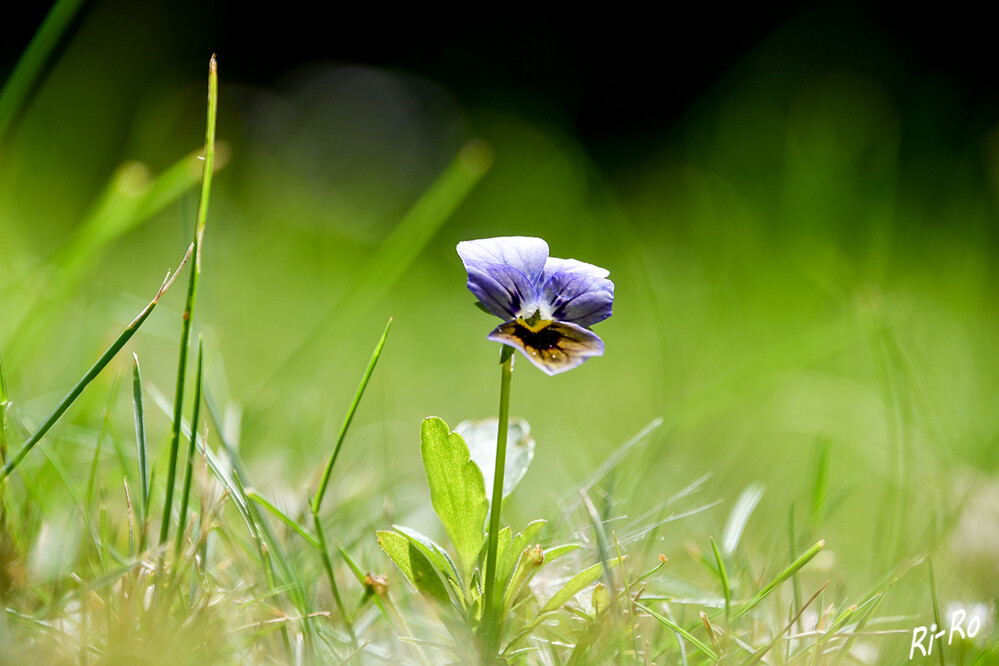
(762, 652)
(317, 501)
(794, 567)
(723, 576)
(680, 631)
(94, 370)
(189, 471)
(283, 517)
(603, 549)
(490, 621)
(33, 60)
(192, 291)
(140, 442)
(324, 554)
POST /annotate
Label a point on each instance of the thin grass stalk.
(317, 501)
(192, 292)
(723, 576)
(189, 470)
(140, 443)
(603, 549)
(30, 65)
(328, 568)
(490, 621)
(94, 370)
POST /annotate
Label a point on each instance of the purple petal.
(554, 265)
(501, 289)
(579, 298)
(521, 253)
(555, 348)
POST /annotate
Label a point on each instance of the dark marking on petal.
(552, 346)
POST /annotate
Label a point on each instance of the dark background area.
(610, 78)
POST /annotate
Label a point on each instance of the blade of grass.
(30, 65)
(723, 576)
(602, 548)
(192, 291)
(795, 566)
(189, 470)
(94, 370)
(317, 500)
(140, 445)
(324, 552)
(680, 631)
(269, 549)
(762, 653)
(282, 516)
(397, 253)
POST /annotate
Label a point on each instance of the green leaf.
(575, 585)
(481, 439)
(457, 491)
(414, 565)
(433, 552)
(556, 552)
(509, 556)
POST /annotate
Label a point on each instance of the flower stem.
(490, 617)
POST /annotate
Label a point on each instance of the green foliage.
(414, 565)
(458, 497)
(457, 491)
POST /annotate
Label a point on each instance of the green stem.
(490, 618)
(317, 501)
(189, 472)
(192, 291)
(328, 567)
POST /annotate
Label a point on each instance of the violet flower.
(547, 304)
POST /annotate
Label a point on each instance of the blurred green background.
(798, 209)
